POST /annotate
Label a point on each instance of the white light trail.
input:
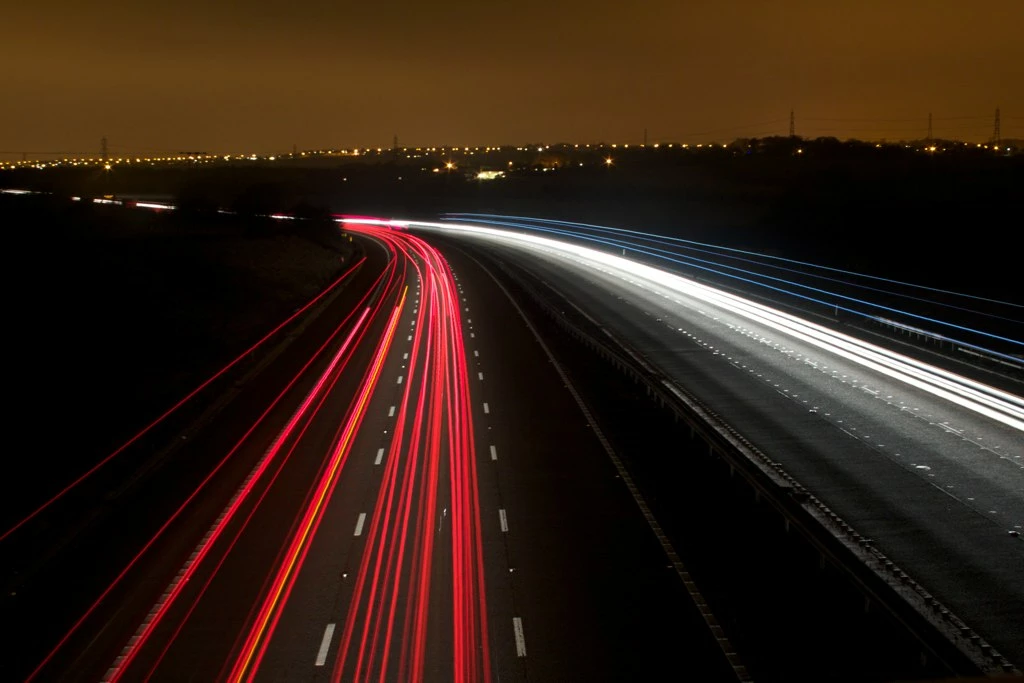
(980, 398)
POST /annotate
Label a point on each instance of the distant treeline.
(119, 312)
(945, 219)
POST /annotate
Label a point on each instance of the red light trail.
(440, 437)
(421, 559)
(192, 394)
(385, 632)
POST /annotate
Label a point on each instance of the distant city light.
(108, 164)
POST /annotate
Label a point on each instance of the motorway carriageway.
(925, 463)
(418, 502)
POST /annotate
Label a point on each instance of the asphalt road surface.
(937, 486)
(405, 489)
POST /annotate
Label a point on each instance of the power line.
(732, 128)
(899, 120)
(961, 126)
(819, 118)
(30, 152)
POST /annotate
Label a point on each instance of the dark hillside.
(118, 312)
(945, 219)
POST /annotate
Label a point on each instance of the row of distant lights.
(933, 148)
(152, 206)
(109, 164)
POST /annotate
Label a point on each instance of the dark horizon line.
(178, 155)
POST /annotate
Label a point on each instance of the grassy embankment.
(116, 313)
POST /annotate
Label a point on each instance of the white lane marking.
(472, 335)
(359, 524)
(380, 456)
(683, 573)
(487, 409)
(391, 411)
(494, 453)
(405, 357)
(480, 375)
(325, 644)
(410, 337)
(476, 353)
(504, 519)
(517, 626)
(399, 379)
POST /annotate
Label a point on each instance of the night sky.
(260, 76)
